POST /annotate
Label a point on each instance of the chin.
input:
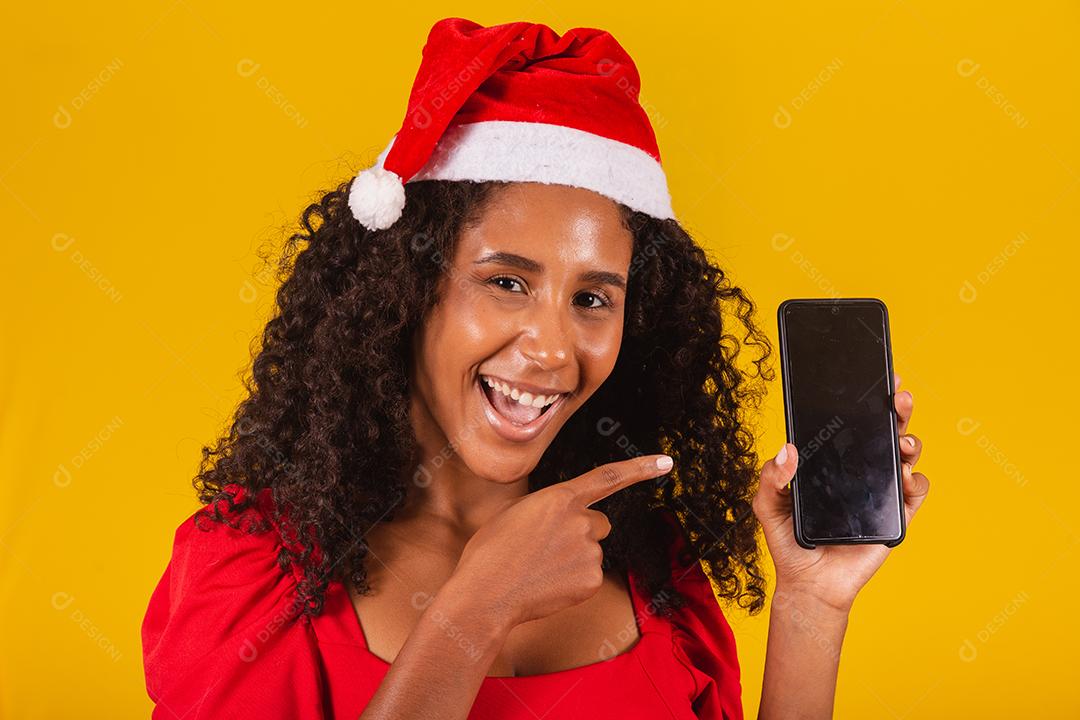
(501, 467)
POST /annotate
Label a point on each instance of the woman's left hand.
(833, 574)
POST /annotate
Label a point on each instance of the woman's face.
(532, 302)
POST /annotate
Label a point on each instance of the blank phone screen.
(837, 373)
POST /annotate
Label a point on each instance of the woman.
(443, 497)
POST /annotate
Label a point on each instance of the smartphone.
(836, 369)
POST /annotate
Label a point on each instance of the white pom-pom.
(377, 197)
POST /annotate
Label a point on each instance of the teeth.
(525, 398)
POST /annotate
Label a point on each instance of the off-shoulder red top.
(222, 638)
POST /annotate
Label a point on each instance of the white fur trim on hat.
(377, 197)
(514, 151)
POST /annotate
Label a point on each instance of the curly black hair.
(325, 425)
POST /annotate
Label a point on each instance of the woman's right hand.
(541, 553)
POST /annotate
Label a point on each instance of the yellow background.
(924, 153)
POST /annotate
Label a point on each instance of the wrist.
(812, 600)
(476, 604)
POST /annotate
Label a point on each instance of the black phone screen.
(838, 388)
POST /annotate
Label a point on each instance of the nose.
(547, 339)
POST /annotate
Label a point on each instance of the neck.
(457, 497)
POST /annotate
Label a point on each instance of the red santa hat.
(518, 103)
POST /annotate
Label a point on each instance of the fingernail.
(781, 457)
(664, 462)
(910, 440)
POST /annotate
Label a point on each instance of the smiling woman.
(446, 469)
(370, 427)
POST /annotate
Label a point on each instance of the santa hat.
(517, 102)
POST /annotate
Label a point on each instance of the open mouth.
(512, 410)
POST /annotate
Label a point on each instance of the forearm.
(439, 669)
(802, 657)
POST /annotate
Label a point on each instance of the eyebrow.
(530, 265)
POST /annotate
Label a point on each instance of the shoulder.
(238, 517)
(224, 607)
(702, 639)
(233, 535)
(227, 551)
(687, 574)
(689, 578)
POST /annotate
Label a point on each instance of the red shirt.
(222, 638)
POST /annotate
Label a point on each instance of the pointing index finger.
(600, 482)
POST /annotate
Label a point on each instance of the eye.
(601, 297)
(504, 278)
